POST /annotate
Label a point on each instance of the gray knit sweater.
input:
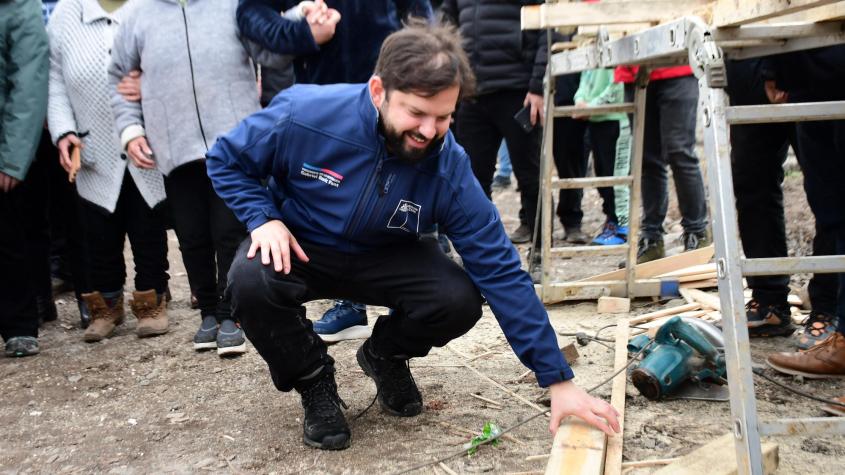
(197, 79)
(80, 43)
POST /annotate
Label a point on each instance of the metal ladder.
(690, 40)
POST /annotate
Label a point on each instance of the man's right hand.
(140, 153)
(276, 242)
(321, 19)
(64, 145)
(8, 182)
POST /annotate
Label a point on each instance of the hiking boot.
(230, 339)
(323, 425)
(817, 327)
(19, 346)
(649, 249)
(825, 360)
(576, 236)
(84, 313)
(206, 337)
(151, 311)
(345, 321)
(105, 315)
(693, 241)
(521, 235)
(500, 182)
(46, 308)
(609, 235)
(397, 392)
(768, 320)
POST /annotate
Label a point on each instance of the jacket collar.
(92, 11)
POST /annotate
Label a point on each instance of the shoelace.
(691, 241)
(325, 400)
(378, 390)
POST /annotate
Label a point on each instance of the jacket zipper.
(364, 198)
(183, 3)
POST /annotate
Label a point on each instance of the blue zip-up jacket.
(334, 184)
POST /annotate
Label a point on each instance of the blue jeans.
(505, 168)
(670, 140)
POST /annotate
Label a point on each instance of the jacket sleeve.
(261, 21)
(415, 8)
(241, 159)
(613, 92)
(473, 225)
(541, 58)
(27, 64)
(125, 57)
(60, 118)
(266, 57)
(449, 10)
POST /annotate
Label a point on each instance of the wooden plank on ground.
(740, 12)
(718, 458)
(708, 300)
(691, 270)
(660, 266)
(666, 312)
(613, 305)
(554, 15)
(613, 457)
(578, 449)
(831, 12)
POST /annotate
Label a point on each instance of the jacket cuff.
(548, 378)
(130, 133)
(535, 86)
(267, 214)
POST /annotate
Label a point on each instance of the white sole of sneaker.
(205, 346)
(231, 350)
(357, 332)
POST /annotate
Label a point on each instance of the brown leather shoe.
(825, 360)
(151, 313)
(104, 318)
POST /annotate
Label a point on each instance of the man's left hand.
(8, 182)
(570, 400)
(536, 102)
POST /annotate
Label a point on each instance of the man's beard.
(395, 142)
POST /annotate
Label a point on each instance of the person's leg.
(18, 315)
(622, 167)
(654, 178)
(148, 239)
(504, 170)
(823, 290)
(678, 112)
(36, 191)
(604, 136)
(477, 134)
(571, 162)
(190, 211)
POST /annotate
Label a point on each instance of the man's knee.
(462, 305)
(247, 281)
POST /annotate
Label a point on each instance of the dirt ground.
(156, 406)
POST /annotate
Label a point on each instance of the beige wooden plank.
(554, 15)
(700, 284)
(740, 12)
(718, 458)
(831, 12)
(613, 305)
(699, 269)
(660, 266)
(705, 299)
(613, 457)
(647, 317)
(578, 449)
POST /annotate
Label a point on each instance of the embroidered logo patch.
(406, 217)
(325, 175)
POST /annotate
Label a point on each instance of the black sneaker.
(693, 241)
(768, 320)
(230, 339)
(323, 425)
(206, 337)
(650, 249)
(22, 346)
(397, 392)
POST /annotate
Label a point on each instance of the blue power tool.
(679, 354)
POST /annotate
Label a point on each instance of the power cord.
(520, 424)
(759, 372)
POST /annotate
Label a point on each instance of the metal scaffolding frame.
(690, 40)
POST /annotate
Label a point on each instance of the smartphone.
(523, 118)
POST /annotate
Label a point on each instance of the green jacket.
(597, 88)
(24, 66)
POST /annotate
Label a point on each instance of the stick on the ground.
(647, 317)
(613, 457)
(446, 468)
(649, 463)
(489, 401)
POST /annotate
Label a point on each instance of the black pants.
(22, 213)
(434, 301)
(481, 124)
(603, 136)
(758, 152)
(208, 233)
(571, 162)
(106, 233)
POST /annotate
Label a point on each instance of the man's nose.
(428, 129)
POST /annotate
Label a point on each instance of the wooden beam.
(555, 15)
(647, 317)
(578, 449)
(613, 457)
(699, 269)
(832, 12)
(660, 266)
(710, 301)
(613, 305)
(741, 12)
(718, 458)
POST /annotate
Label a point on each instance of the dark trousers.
(22, 222)
(670, 140)
(434, 301)
(821, 146)
(571, 162)
(481, 124)
(603, 136)
(106, 233)
(208, 233)
(36, 188)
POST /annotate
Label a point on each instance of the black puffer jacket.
(502, 55)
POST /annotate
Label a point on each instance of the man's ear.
(377, 92)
